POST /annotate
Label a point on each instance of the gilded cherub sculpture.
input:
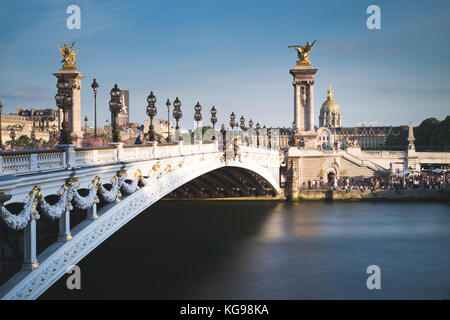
(69, 56)
(302, 52)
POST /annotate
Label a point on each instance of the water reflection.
(272, 250)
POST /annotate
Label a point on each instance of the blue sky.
(233, 55)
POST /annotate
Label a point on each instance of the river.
(271, 250)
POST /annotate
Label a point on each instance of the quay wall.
(382, 195)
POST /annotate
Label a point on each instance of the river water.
(271, 250)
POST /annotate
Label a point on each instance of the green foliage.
(431, 134)
(205, 128)
(397, 141)
(23, 141)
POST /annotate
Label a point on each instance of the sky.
(233, 54)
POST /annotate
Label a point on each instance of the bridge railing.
(33, 161)
(12, 162)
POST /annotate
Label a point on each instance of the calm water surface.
(271, 250)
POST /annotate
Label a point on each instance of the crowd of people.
(413, 181)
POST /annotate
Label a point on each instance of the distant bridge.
(63, 203)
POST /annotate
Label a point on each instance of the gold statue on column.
(302, 53)
(69, 56)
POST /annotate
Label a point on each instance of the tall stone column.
(304, 104)
(74, 76)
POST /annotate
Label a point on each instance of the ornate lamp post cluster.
(168, 119)
(33, 135)
(242, 125)
(197, 114)
(213, 117)
(232, 120)
(213, 121)
(243, 128)
(12, 135)
(115, 106)
(151, 112)
(85, 125)
(198, 118)
(177, 114)
(64, 102)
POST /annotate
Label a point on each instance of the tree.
(397, 141)
(444, 135)
(22, 142)
(426, 133)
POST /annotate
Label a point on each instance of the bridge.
(58, 205)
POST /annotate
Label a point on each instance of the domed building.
(330, 114)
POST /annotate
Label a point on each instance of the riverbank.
(279, 198)
(339, 195)
(382, 195)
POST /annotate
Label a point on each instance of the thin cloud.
(410, 91)
(23, 95)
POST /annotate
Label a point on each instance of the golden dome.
(330, 105)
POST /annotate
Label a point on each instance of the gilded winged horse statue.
(69, 56)
(302, 52)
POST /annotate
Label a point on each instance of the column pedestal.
(74, 76)
(303, 83)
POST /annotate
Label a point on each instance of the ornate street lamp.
(168, 120)
(223, 131)
(258, 127)
(198, 118)
(177, 114)
(265, 135)
(33, 135)
(12, 135)
(115, 106)
(1, 110)
(232, 122)
(33, 139)
(242, 125)
(64, 102)
(85, 125)
(94, 87)
(54, 134)
(151, 112)
(213, 117)
(250, 124)
(213, 121)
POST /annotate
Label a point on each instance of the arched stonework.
(332, 163)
